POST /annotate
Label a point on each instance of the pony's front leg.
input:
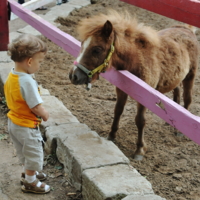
(119, 107)
(140, 123)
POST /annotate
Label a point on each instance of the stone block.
(114, 183)
(5, 69)
(43, 91)
(58, 113)
(4, 58)
(51, 19)
(79, 3)
(57, 12)
(143, 197)
(79, 148)
(29, 30)
(60, 132)
(13, 36)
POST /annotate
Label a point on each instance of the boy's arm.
(40, 111)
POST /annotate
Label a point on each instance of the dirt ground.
(171, 163)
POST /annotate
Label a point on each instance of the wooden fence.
(187, 11)
(158, 103)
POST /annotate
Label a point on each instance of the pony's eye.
(96, 51)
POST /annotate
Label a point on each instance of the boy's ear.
(29, 61)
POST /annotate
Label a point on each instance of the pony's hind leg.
(119, 107)
(140, 123)
(176, 94)
(188, 83)
(176, 98)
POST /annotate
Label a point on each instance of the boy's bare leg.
(30, 172)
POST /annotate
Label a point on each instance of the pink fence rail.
(158, 103)
(187, 11)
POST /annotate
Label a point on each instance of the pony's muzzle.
(77, 77)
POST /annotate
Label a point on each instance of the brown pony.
(163, 59)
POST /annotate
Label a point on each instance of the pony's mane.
(124, 25)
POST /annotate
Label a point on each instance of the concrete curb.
(95, 165)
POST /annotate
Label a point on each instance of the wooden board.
(4, 36)
(187, 11)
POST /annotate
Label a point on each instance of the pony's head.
(96, 53)
(101, 36)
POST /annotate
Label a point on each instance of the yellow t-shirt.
(22, 94)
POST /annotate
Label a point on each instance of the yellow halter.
(99, 69)
(102, 67)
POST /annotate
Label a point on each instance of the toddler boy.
(26, 112)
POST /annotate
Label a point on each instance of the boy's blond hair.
(25, 46)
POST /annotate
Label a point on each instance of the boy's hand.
(40, 111)
(45, 117)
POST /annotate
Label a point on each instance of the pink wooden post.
(4, 37)
(187, 11)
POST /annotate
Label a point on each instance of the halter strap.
(88, 72)
(101, 68)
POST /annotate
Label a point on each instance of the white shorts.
(28, 144)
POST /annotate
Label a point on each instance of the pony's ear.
(142, 41)
(107, 29)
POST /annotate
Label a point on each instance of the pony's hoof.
(138, 157)
(178, 134)
(111, 138)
